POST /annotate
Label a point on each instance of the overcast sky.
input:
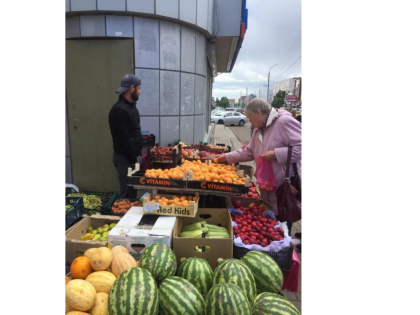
(273, 36)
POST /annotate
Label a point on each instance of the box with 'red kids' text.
(179, 205)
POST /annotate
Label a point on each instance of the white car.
(229, 118)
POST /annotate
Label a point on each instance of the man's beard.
(134, 96)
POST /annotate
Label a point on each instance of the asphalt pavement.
(243, 133)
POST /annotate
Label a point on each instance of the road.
(242, 133)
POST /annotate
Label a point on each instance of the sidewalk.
(226, 135)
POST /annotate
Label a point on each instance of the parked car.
(229, 118)
(241, 110)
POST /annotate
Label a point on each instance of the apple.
(237, 204)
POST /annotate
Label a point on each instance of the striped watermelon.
(133, 293)
(273, 304)
(198, 272)
(220, 261)
(235, 271)
(267, 274)
(178, 296)
(227, 298)
(160, 260)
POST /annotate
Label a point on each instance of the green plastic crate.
(102, 208)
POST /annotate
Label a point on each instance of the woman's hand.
(269, 155)
(220, 158)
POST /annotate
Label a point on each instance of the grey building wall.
(171, 61)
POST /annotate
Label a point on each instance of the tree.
(224, 102)
(278, 100)
(217, 102)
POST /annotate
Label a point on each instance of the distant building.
(284, 85)
(262, 92)
(242, 100)
(231, 102)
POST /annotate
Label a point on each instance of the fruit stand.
(177, 241)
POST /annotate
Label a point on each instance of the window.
(237, 114)
(228, 115)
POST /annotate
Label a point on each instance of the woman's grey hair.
(257, 104)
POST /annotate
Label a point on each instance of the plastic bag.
(274, 246)
(264, 173)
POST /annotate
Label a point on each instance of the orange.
(80, 268)
(157, 197)
(67, 279)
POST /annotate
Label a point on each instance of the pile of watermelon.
(244, 287)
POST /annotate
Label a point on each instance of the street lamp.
(268, 85)
(247, 98)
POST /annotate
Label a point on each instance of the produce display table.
(200, 221)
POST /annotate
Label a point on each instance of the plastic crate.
(212, 201)
(75, 211)
(283, 258)
(104, 208)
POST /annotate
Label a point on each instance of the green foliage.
(224, 102)
(278, 100)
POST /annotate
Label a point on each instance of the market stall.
(198, 230)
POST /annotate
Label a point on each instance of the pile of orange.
(220, 173)
(172, 173)
(174, 201)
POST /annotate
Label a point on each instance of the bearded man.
(124, 122)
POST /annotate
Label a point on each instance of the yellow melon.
(101, 305)
(101, 258)
(68, 308)
(80, 295)
(121, 263)
(89, 252)
(101, 280)
(119, 249)
(76, 313)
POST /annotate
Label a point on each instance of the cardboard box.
(247, 170)
(75, 224)
(74, 246)
(219, 247)
(136, 231)
(178, 211)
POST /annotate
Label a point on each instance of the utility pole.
(268, 85)
(247, 97)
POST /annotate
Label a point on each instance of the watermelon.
(198, 272)
(178, 296)
(236, 272)
(134, 292)
(227, 298)
(273, 304)
(160, 260)
(267, 274)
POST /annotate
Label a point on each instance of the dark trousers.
(121, 165)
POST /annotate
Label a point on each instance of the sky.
(273, 37)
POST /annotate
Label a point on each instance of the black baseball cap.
(127, 81)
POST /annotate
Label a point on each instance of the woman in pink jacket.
(274, 131)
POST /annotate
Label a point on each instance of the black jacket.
(124, 122)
